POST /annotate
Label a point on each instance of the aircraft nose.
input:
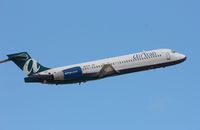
(185, 58)
(182, 57)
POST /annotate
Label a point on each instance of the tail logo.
(31, 66)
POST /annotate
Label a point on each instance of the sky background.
(62, 32)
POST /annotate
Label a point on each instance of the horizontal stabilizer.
(3, 61)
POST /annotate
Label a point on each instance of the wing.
(107, 70)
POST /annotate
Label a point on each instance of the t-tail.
(26, 63)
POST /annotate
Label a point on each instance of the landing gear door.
(168, 56)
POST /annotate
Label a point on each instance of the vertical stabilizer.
(26, 63)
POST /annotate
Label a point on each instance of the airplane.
(94, 70)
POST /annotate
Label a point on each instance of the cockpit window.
(173, 51)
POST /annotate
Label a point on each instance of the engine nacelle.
(59, 75)
(68, 74)
(73, 73)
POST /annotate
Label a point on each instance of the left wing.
(107, 70)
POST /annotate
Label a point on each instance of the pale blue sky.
(61, 32)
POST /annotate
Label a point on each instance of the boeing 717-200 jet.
(83, 72)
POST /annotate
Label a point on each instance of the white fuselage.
(121, 65)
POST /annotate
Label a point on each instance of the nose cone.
(182, 57)
(185, 58)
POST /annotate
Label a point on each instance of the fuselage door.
(168, 56)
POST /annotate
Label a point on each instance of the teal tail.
(26, 63)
